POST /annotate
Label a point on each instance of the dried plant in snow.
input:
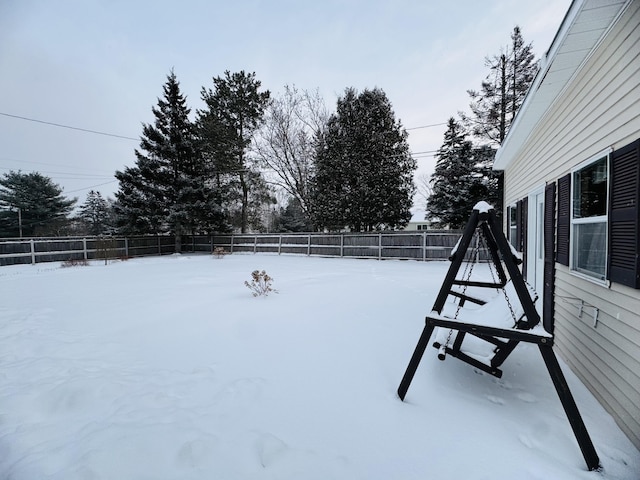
(219, 252)
(73, 262)
(260, 284)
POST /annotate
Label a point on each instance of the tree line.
(251, 161)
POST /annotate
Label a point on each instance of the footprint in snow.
(527, 397)
(269, 449)
(240, 393)
(527, 441)
(496, 400)
(193, 453)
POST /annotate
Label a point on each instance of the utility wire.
(41, 163)
(427, 126)
(137, 139)
(92, 186)
(69, 127)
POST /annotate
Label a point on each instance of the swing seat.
(494, 329)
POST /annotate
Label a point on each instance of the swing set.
(485, 332)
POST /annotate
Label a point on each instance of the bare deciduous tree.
(423, 190)
(285, 143)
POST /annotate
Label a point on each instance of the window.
(589, 218)
(513, 226)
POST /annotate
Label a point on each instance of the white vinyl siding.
(600, 108)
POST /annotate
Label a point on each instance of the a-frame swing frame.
(504, 339)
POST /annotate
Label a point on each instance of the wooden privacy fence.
(59, 249)
(427, 245)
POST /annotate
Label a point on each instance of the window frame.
(574, 223)
(512, 225)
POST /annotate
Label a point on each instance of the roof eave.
(537, 104)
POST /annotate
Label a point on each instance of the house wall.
(600, 108)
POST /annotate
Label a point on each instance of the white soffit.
(582, 29)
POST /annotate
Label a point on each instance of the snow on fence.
(426, 245)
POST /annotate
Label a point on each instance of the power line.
(69, 127)
(425, 152)
(41, 163)
(426, 126)
(92, 186)
(137, 139)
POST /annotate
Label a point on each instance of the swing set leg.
(570, 408)
(415, 360)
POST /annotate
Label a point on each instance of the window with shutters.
(589, 215)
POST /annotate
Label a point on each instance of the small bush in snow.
(260, 283)
(219, 252)
(75, 263)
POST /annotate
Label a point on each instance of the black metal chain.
(466, 275)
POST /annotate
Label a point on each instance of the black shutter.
(524, 216)
(549, 256)
(518, 245)
(623, 216)
(564, 219)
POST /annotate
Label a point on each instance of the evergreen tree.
(95, 214)
(484, 184)
(169, 189)
(363, 171)
(235, 108)
(32, 205)
(251, 208)
(451, 201)
(292, 218)
(494, 107)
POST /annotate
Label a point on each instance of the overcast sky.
(100, 65)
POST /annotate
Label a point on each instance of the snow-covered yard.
(168, 368)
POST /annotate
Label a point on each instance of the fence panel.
(428, 245)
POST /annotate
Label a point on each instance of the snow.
(168, 368)
(482, 207)
(514, 252)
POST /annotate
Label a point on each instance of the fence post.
(255, 243)
(379, 246)
(84, 247)
(279, 244)
(308, 245)
(126, 247)
(231, 247)
(424, 246)
(33, 252)
(342, 244)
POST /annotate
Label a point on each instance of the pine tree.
(95, 213)
(485, 181)
(292, 218)
(251, 208)
(363, 171)
(494, 107)
(32, 205)
(451, 202)
(169, 189)
(235, 109)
